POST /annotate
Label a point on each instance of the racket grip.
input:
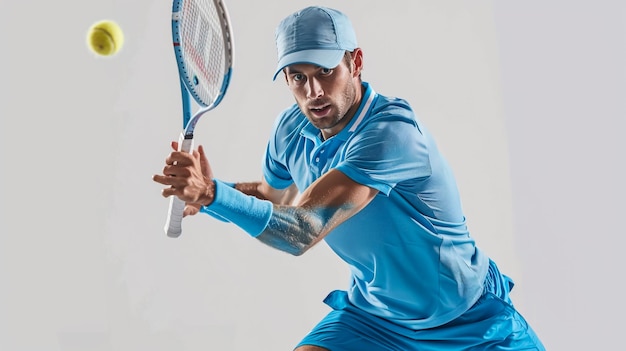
(185, 144)
(173, 224)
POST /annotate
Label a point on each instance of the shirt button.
(317, 159)
(322, 151)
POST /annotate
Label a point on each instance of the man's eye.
(297, 77)
(326, 71)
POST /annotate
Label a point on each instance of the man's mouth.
(320, 111)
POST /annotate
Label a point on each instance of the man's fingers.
(190, 210)
(161, 179)
(167, 192)
(177, 171)
(179, 158)
(204, 163)
(170, 179)
(176, 186)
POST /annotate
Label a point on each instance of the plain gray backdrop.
(526, 99)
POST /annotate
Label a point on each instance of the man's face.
(327, 97)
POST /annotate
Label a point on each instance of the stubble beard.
(338, 113)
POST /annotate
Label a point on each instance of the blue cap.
(315, 35)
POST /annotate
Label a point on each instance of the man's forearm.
(252, 189)
(263, 191)
(294, 230)
(287, 228)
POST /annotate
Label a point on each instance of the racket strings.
(202, 42)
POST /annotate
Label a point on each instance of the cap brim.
(323, 58)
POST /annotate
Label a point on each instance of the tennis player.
(358, 169)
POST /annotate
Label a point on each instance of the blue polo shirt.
(411, 258)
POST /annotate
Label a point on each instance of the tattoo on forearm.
(295, 229)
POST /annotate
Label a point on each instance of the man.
(357, 169)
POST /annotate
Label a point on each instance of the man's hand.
(189, 177)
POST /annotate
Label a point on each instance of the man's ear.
(357, 60)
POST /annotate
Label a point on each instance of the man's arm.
(328, 202)
(262, 190)
(279, 218)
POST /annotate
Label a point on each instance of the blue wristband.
(204, 209)
(247, 212)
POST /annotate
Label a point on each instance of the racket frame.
(173, 225)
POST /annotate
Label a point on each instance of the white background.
(526, 99)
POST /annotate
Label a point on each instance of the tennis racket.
(203, 46)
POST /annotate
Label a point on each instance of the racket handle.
(173, 224)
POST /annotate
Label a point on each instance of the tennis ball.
(105, 38)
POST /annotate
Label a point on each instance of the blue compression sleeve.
(247, 212)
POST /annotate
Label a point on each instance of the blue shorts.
(491, 324)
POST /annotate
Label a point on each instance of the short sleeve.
(275, 169)
(389, 149)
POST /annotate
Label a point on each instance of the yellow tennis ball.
(105, 38)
